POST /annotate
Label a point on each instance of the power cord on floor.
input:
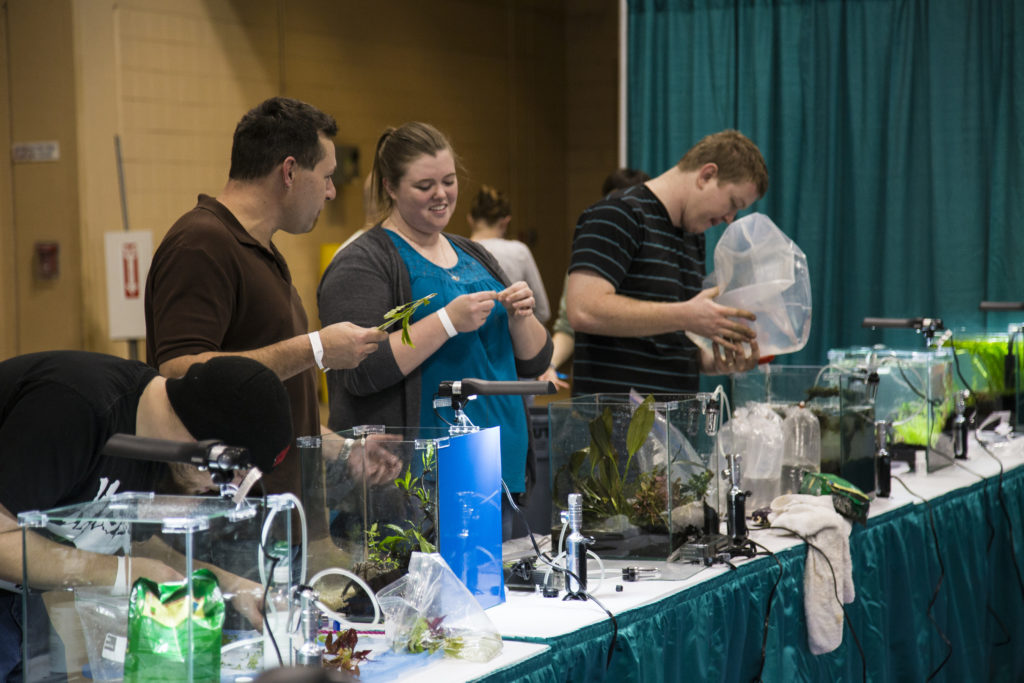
(938, 584)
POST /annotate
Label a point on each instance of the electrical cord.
(440, 417)
(835, 592)
(934, 402)
(938, 584)
(956, 362)
(1006, 514)
(264, 555)
(767, 613)
(567, 572)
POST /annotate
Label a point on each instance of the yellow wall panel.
(501, 77)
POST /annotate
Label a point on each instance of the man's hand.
(518, 300)
(375, 462)
(346, 345)
(718, 323)
(469, 311)
(551, 375)
(247, 598)
(722, 360)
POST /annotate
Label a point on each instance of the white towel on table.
(815, 518)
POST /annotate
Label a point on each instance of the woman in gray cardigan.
(477, 324)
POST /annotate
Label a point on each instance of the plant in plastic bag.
(430, 610)
(759, 269)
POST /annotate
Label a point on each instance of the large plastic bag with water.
(430, 610)
(759, 269)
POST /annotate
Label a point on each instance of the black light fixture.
(926, 326)
(989, 306)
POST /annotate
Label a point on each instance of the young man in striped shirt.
(636, 274)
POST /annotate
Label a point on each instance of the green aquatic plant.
(403, 314)
(610, 483)
(390, 545)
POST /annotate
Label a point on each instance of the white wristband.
(318, 349)
(121, 582)
(446, 323)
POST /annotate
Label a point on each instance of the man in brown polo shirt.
(218, 285)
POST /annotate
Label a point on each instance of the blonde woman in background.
(489, 218)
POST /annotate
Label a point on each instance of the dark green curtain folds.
(893, 132)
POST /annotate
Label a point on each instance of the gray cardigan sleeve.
(364, 281)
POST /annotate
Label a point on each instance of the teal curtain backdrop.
(893, 132)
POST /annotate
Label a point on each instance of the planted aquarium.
(991, 365)
(392, 491)
(378, 486)
(646, 467)
(915, 392)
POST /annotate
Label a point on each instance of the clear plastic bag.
(801, 439)
(761, 270)
(430, 610)
(755, 433)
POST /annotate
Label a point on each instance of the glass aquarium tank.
(646, 466)
(914, 391)
(785, 387)
(93, 616)
(992, 366)
(381, 518)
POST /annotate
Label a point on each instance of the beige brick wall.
(525, 89)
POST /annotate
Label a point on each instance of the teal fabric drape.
(913, 595)
(893, 132)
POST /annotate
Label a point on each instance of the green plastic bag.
(158, 630)
(848, 500)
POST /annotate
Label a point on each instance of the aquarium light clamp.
(992, 306)
(457, 393)
(925, 326)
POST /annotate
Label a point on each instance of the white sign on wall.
(128, 257)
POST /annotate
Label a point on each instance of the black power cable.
(540, 556)
(835, 592)
(274, 559)
(1006, 514)
(938, 584)
(767, 613)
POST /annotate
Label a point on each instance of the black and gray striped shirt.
(628, 239)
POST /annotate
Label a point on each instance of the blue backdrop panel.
(469, 512)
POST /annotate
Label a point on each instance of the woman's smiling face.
(426, 194)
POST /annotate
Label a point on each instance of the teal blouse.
(485, 353)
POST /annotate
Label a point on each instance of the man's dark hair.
(274, 130)
(621, 178)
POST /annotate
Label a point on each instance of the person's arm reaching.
(54, 565)
(594, 307)
(345, 345)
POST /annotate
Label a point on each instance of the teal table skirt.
(957, 604)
